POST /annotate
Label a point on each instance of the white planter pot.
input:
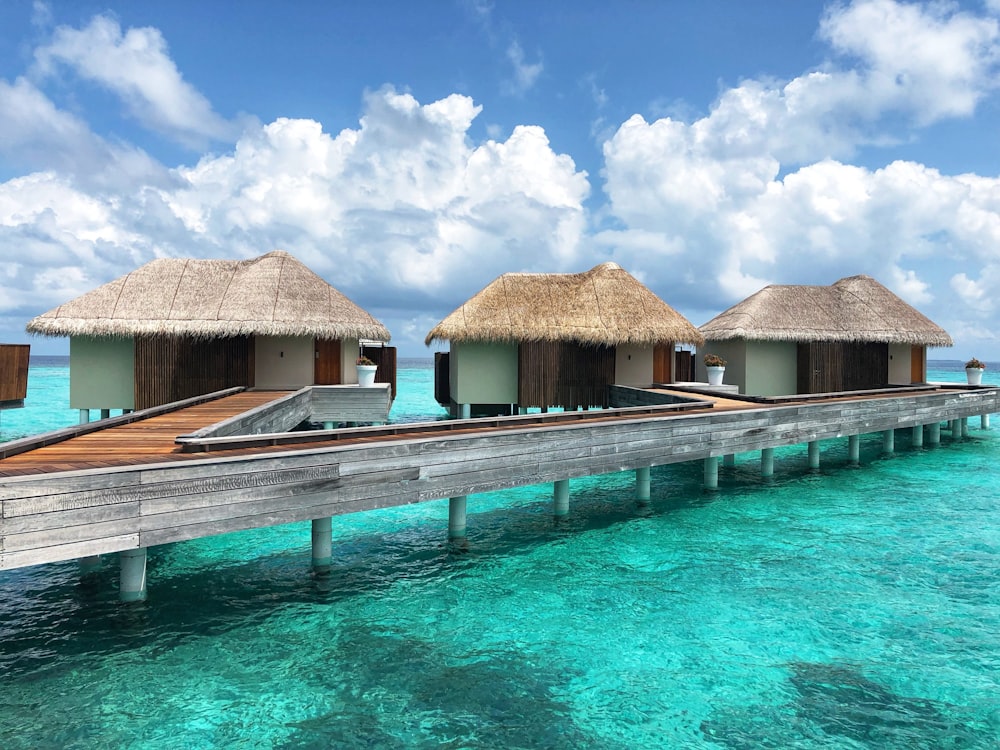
(974, 375)
(366, 374)
(715, 375)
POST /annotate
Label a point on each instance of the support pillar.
(712, 473)
(934, 433)
(956, 429)
(918, 436)
(963, 426)
(888, 441)
(729, 460)
(327, 425)
(642, 484)
(90, 564)
(105, 413)
(456, 516)
(854, 449)
(132, 584)
(84, 416)
(767, 462)
(465, 411)
(814, 454)
(984, 421)
(322, 544)
(560, 497)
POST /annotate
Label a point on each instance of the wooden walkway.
(143, 441)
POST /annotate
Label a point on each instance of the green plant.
(714, 360)
(975, 364)
(365, 361)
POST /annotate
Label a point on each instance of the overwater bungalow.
(794, 339)
(180, 327)
(555, 340)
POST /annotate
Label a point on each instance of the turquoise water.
(850, 608)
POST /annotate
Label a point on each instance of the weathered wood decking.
(79, 504)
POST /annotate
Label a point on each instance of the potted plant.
(974, 371)
(366, 371)
(716, 367)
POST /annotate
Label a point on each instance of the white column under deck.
(854, 449)
(457, 516)
(712, 473)
(918, 436)
(813, 454)
(322, 544)
(642, 484)
(132, 585)
(560, 497)
(889, 441)
(767, 462)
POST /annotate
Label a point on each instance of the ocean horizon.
(845, 607)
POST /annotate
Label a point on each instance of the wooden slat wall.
(14, 371)
(170, 368)
(683, 367)
(385, 358)
(564, 374)
(831, 366)
(442, 378)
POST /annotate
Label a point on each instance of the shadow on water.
(830, 701)
(494, 699)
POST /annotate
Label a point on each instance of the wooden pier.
(155, 479)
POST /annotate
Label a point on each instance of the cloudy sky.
(411, 152)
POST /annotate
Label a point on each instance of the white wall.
(633, 365)
(101, 373)
(772, 368)
(350, 350)
(900, 356)
(284, 362)
(483, 373)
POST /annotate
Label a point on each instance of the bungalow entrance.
(832, 366)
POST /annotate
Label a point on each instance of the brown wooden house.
(852, 335)
(178, 327)
(555, 340)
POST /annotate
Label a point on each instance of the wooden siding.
(442, 378)
(172, 368)
(663, 356)
(326, 370)
(46, 518)
(385, 358)
(14, 372)
(564, 374)
(827, 367)
(683, 366)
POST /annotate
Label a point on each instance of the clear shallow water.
(854, 608)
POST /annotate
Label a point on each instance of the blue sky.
(411, 152)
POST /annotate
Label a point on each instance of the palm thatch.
(272, 295)
(603, 306)
(854, 309)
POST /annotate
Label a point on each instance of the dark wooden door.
(917, 364)
(326, 370)
(663, 355)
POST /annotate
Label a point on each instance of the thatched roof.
(603, 306)
(273, 295)
(856, 309)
